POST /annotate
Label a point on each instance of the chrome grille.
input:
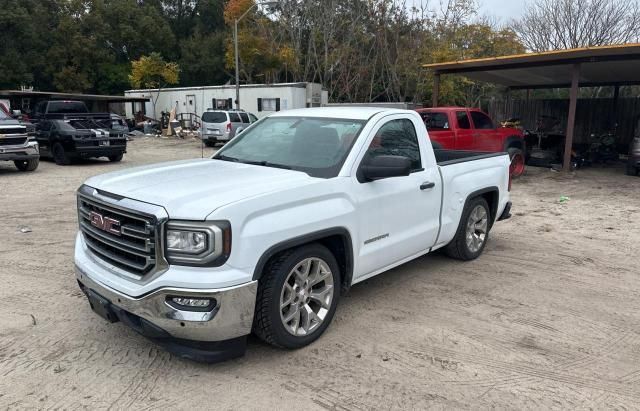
(136, 248)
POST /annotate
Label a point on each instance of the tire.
(631, 170)
(60, 156)
(278, 284)
(210, 143)
(518, 161)
(116, 158)
(27, 165)
(460, 248)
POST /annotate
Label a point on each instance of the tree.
(153, 72)
(564, 24)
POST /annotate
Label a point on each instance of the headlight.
(198, 243)
(188, 242)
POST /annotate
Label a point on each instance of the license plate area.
(101, 306)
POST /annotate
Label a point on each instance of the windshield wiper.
(253, 163)
(266, 164)
(227, 158)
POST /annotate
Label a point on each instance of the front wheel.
(27, 165)
(60, 156)
(473, 231)
(516, 169)
(116, 157)
(297, 296)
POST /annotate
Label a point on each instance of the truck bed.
(449, 157)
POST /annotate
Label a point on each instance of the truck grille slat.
(114, 258)
(133, 246)
(13, 141)
(122, 245)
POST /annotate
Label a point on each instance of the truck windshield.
(316, 146)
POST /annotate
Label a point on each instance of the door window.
(245, 118)
(463, 120)
(435, 121)
(253, 118)
(481, 121)
(396, 138)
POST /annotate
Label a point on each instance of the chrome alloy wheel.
(306, 296)
(477, 226)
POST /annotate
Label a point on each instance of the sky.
(504, 10)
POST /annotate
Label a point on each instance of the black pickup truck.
(65, 131)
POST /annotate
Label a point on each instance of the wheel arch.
(337, 240)
(491, 196)
(515, 142)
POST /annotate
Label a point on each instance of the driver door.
(398, 217)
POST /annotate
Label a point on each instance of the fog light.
(191, 302)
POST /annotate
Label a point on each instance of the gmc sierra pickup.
(267, 234)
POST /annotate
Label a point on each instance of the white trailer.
(259, 99)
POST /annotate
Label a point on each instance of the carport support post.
(435, 94)
(573, 101)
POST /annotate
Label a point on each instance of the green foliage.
(360, 50)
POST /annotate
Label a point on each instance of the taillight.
(229, 127)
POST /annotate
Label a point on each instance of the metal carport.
(616, 66)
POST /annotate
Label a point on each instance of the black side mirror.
(381, 167)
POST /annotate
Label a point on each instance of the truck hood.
(193, 189)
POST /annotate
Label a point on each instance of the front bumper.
(12, 153)
(230, 317)
(102, 151)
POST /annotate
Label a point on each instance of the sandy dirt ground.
(548, 317)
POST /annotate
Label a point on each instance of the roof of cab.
(351, 113)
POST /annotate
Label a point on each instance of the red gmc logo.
(103, 223)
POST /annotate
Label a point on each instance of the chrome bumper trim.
(232, 317)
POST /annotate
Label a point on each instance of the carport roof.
(71, 96)
(599, 66)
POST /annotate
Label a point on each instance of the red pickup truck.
(460, 128)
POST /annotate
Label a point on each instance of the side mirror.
(385, 167)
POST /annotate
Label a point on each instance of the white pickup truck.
(268, 233)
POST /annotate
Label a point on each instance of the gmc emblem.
(103, 223)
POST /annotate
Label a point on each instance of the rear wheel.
(517, 162)
(27, 165)
(297, 296)
(60, 156)
(473, 231)
(210, 143)
(116, 157)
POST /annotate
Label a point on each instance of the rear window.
(66, 107)
(234, 118)
(435, 120)
(245, 118)
(214, 117)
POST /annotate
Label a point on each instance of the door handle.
(427, 185)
